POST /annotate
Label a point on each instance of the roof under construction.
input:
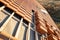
(26, 20)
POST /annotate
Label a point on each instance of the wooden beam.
(1, 8)
(43, 37)
(7, 35)
(36, 34)
(28, 32)
(19, 27)
(4, 25)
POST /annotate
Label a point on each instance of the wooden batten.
(57, 34)
(49, 28)
(52, 37)
(40, 24)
